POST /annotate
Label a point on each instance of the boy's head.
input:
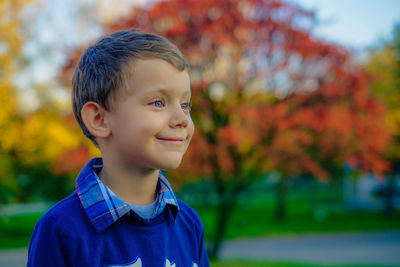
(131, 97)
(103, 70)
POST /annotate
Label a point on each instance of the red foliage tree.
(266, 95)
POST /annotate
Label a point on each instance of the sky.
(356, 24)
(61, 25)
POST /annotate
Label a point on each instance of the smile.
(175, 141)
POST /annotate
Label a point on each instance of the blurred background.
(296, 103)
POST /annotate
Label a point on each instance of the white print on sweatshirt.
(138, 263)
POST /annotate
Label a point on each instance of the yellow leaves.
(8, 101)
(10, 136)
(93, 150)
(42, 137)
(10, 34)
(10, 52)
(383, 67)
(59, 138)
(38, 137)
(392, 120)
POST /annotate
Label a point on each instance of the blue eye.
(186, 106)
(158, 104)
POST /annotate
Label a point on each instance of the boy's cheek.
(191, 131)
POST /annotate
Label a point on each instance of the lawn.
(309, 210)
(256, 219)
(246, 263)
(247, 221)
(15, 231)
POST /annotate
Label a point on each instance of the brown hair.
(101, 70)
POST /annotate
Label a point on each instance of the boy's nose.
(183, 124)
(179, 118)
(179, 122)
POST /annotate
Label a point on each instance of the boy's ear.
(93, 116)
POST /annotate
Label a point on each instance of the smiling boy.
(131, 97)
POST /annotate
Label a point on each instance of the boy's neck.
(132, 185)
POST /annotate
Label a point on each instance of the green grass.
(252, 218)
(15, 231)
(247, 263)
(256, 219)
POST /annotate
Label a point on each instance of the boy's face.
(150, 120)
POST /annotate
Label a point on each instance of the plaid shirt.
(103, 207)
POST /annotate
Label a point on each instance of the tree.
(266, 96)
(383, 66)
(10, 59)
(40, 149)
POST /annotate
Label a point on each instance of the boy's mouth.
(174, 140)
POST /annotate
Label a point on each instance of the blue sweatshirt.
(93, 228)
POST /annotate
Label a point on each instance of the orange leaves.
(340, 120)
(224, 159)
(241, 54)
(333, 90)
(199, 157)
(71, 160)
(230, 136)
(308, 117)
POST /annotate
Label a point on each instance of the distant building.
(368, 192)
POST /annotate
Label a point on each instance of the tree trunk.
(280, 211)
(389, 194)
(224, 210)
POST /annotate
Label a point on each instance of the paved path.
(13, 258)
(374, 248)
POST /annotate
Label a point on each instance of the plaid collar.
(103, 207)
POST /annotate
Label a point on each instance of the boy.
(131, 97)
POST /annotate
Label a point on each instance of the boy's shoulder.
(186, 209)
(66, 214)
(189, 215)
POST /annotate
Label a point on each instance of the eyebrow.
(167, 92)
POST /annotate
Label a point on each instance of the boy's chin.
(170, 165)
